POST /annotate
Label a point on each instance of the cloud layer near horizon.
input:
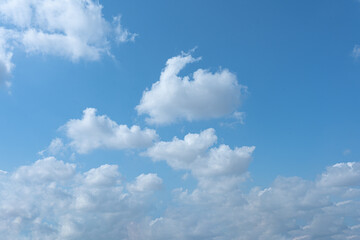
(50, 199)
(216, 208)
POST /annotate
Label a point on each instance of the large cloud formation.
(93, 131)
(74, 29)
(207, 95)
(50, 199)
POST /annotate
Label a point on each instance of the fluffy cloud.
(291, 208)
(49, 200)
(93, 131)
(145, 183)
(207, 95)
(208, 165)
(341, 174)
(74, 29)
(45, 170)
(181, 154)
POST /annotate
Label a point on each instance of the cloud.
(45, 170)
(356, 51)
(180, 154)
(93, 132)
(121, 33)
(49, 200)
(291, 208)
(56, 146)
(145, 183)
(5, 55)
(341, 174)
(207, 95)
(208, 165)
(71, 29)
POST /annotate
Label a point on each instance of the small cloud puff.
(94, 131)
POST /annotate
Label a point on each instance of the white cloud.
(45, 170)
(207, 95)
(181, 154)
(56, 146)
(292, 208)
(145, 183)
(104, 175)
(341, 174)
(208, 165)
(74, 29)
(5, 55)
(59, 45)
(93, 131)
(50, 200)
(121, 33)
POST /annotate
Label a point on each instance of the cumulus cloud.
(50, 200)
(216, 168)
(45, 170)
(71, 29)
(207, 95)
(291, 208)
(341, 174)
(95, 131)
(145, 183)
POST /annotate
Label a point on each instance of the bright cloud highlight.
(216, 168)
(73, 29)
(50, 200)
(207, 95)
(93, 131)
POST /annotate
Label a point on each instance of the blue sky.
(289, 69)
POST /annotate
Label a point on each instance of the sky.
(179, 120)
